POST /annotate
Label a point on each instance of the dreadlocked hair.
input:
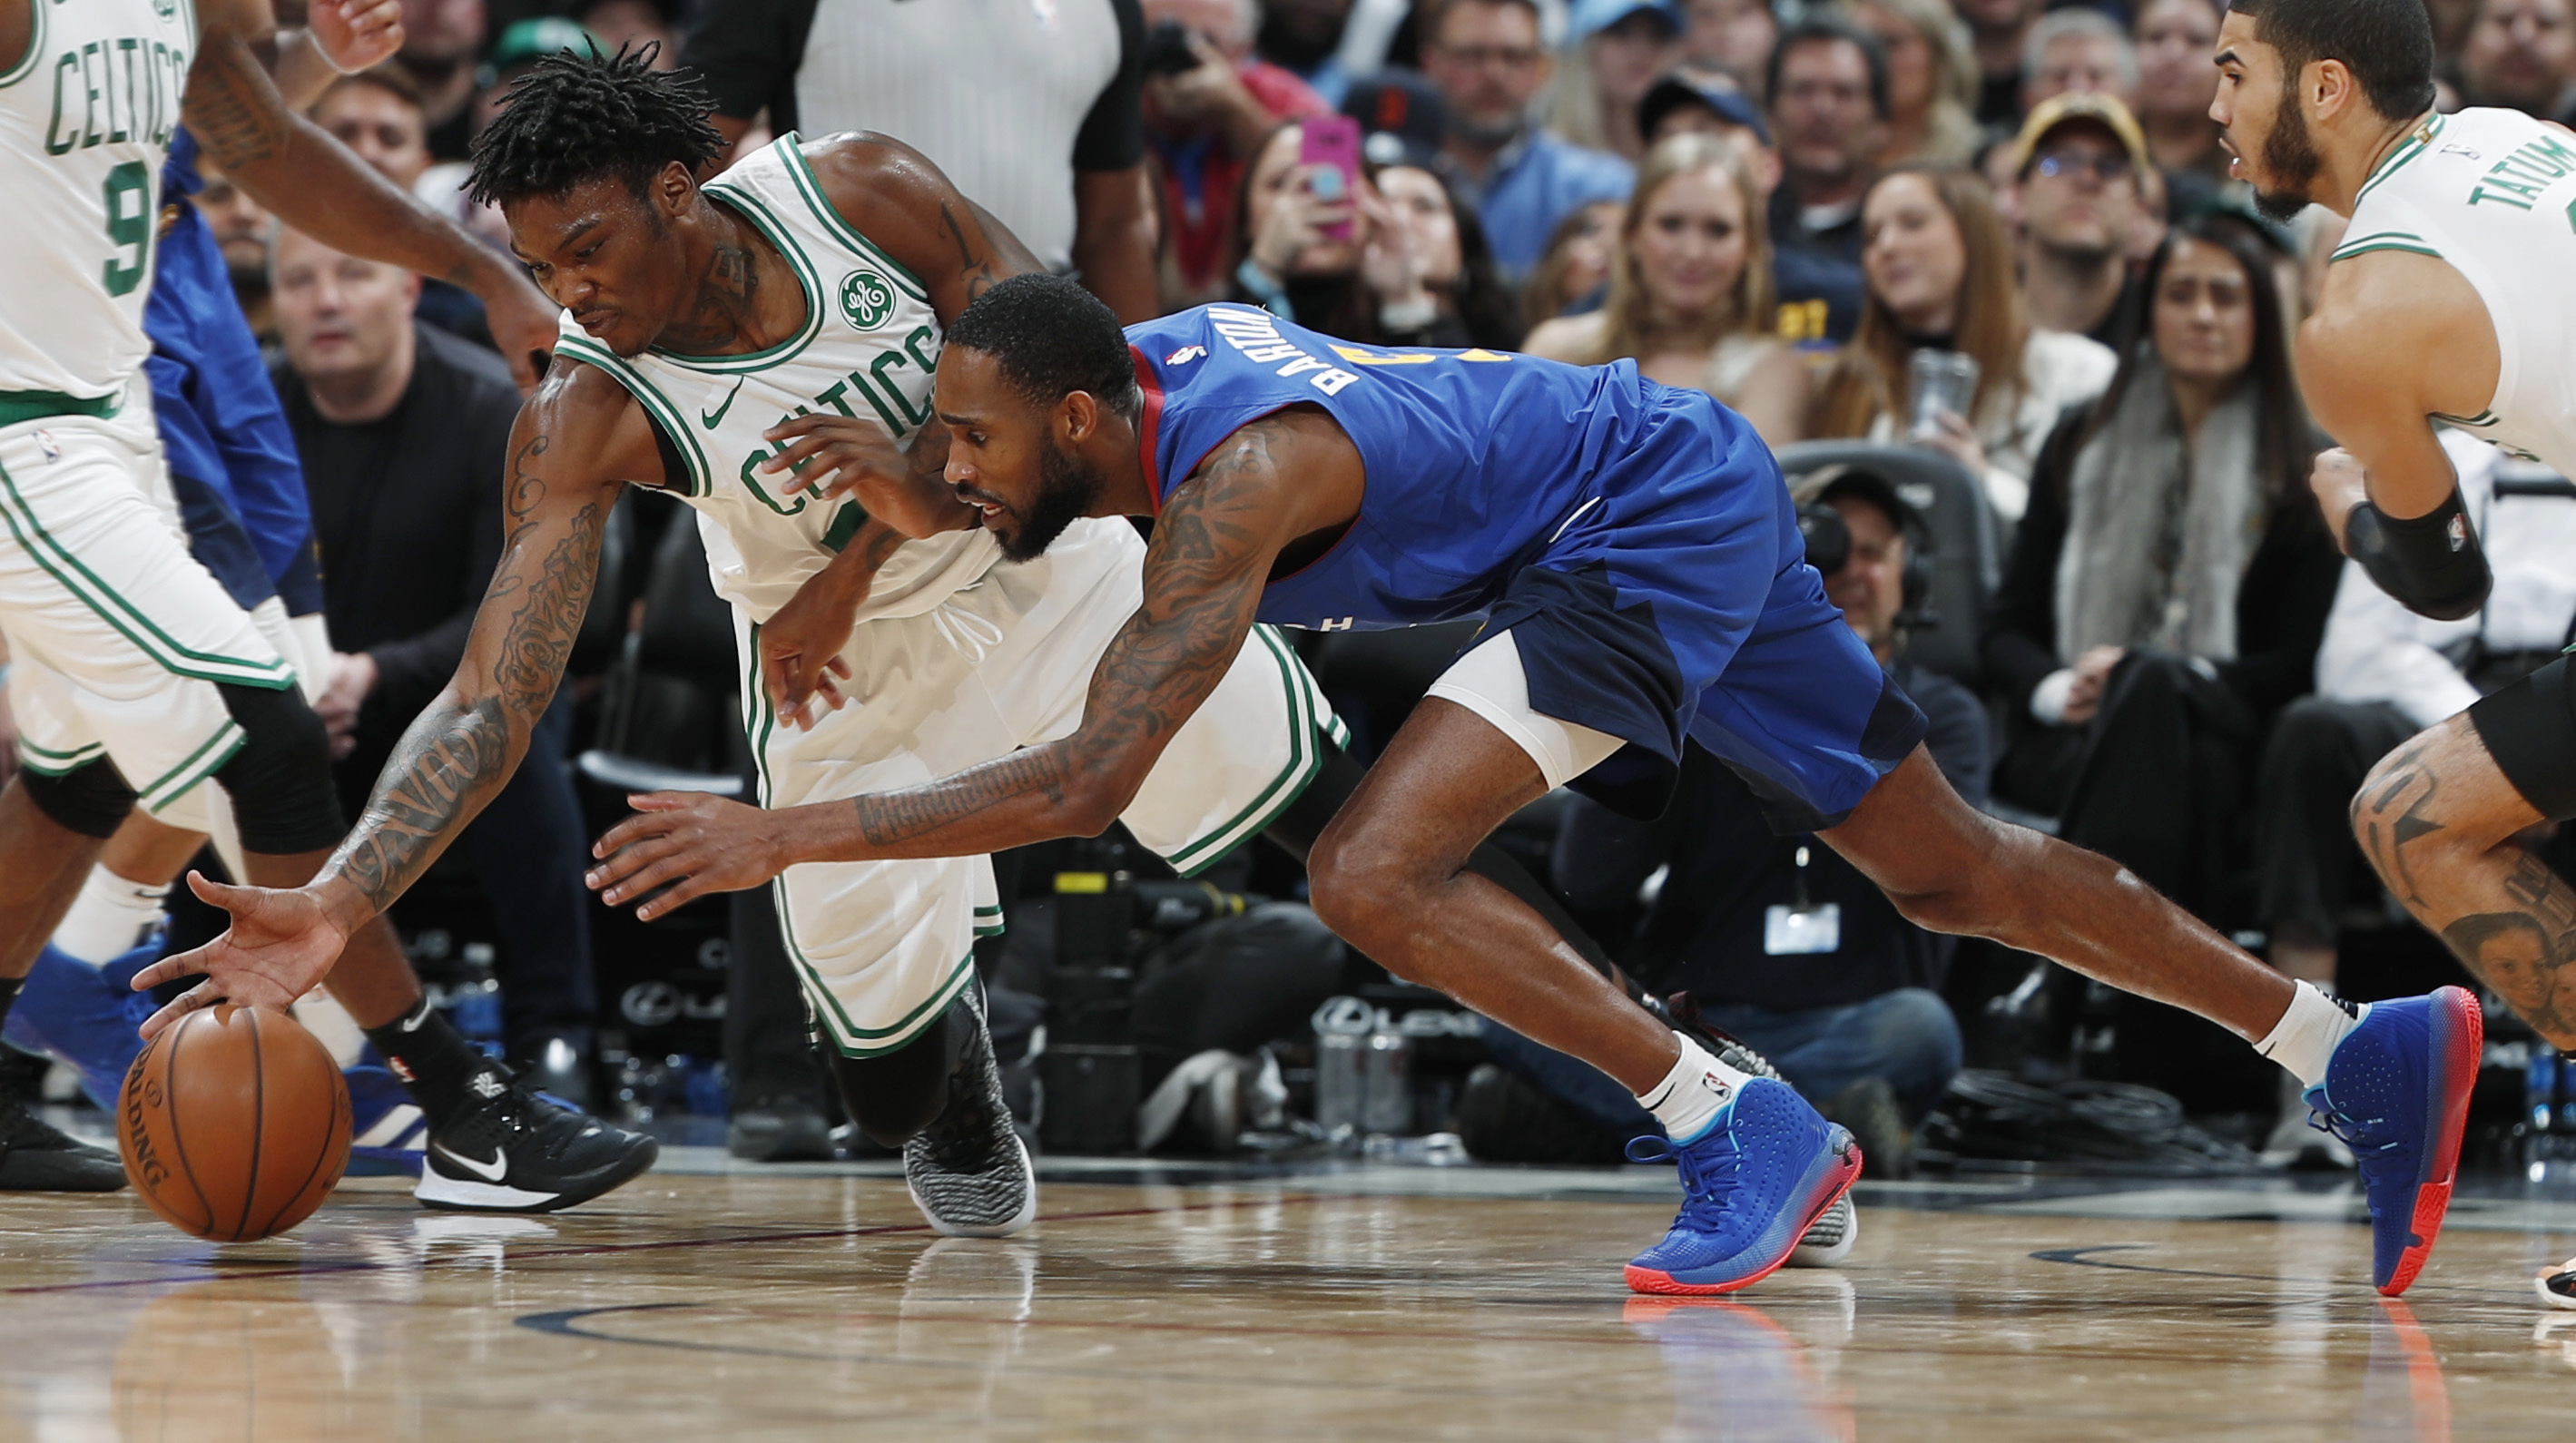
(575, 117)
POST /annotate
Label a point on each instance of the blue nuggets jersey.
(1476, 460)
(1635, 540)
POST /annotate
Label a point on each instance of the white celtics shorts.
(883, 947)
(116, 634)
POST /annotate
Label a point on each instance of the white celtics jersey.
(867, 350)
(85, 120)
(2493, 192)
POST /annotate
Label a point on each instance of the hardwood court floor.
(1357, 1302)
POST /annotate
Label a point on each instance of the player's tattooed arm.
(1212, 550)
(313, 183)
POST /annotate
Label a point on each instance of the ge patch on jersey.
(866, 300)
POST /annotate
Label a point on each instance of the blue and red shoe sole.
(1841, 1171)
(2458, 1041)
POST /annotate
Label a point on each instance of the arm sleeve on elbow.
(2432, 562)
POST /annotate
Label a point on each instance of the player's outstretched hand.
(800, 646)
(695, 842)
(2340, 484)
(279, 947)
(356, 34)
(832, 456)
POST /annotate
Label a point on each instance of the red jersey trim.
(1149, 426)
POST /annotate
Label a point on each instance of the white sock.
(2307, 1033)
(1690, 1098)
(108, 918)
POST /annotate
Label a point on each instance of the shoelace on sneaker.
(1708, 1178)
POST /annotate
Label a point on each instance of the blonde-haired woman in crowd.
(1938, 271)
(1931, 80)
(1690, 290)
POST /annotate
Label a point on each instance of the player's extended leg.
(76, 1006)
(939, 1099)
(1390, 876)
(2444, 825)
(2395, 1084)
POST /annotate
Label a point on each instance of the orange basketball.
(234, 1124)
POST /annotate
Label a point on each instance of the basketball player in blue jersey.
(1638, 564)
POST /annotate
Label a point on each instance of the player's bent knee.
(280, 780)
(90, 800)
(894, 1095)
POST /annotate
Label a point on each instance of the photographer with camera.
(1209, 101)
(1778, 940)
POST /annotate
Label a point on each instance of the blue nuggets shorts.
(1682, 605)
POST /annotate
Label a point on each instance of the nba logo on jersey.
(1185, 355)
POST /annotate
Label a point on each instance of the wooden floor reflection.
(794, 1306)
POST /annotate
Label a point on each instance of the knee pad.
(894, 1095)
(91, 799)
(280, 779)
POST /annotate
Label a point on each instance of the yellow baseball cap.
(2076, 105)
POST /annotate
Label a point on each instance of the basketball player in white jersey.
(2452, 301)
(797, 304)
(134, 677)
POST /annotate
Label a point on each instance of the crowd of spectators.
(1814, 212)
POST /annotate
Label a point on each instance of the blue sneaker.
(79, 1015)
(386, 1130)
(2396, 1091)
(1751, 1186)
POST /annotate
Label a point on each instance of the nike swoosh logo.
(492, 1171)
(718, 418)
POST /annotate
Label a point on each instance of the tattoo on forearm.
(1204, 580)
(449, 754)
(459, 750)
(230, 108)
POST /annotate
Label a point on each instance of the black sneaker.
(36, 1157)
(515, 1152)
(968, 1171)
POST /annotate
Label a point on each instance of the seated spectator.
(1383, 283)
(2166, 592)
(1931, 81)
(2383, 674)
(2080, 171)
(377, 114)
(2519, 55)
(2077, 50)
(240, 228)
(2176, 84)
(1996, 32)
(1848, 1009)
(1818, 296)
(1616, 48)
(1733, 38)
(1202, 124)
(1690, 291)
(1486, 59)
(1430, 269)
(403, 430)
(1940, 278)
(1573, 274)
(1829, 109)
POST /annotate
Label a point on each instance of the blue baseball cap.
(1591, 17)
(1681, 88)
